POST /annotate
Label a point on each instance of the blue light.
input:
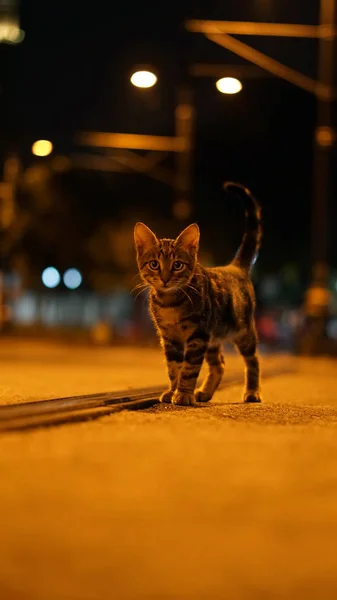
(51, 277)
(72, 279)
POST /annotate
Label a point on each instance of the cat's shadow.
(199, 405)
(209, 404)
(226, 403)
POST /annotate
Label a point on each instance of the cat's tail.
(251, 241)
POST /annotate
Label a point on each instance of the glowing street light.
(72, 279)
(42, 148)
(143, 79)
(10, 32)
(51, 277)
(229, 85)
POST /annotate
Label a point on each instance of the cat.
(195, 308)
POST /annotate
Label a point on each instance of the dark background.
(71, 73)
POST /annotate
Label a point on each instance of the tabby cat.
(195, 308)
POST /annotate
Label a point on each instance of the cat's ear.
(189, 238)
(144, 238)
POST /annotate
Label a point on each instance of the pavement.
(223, 501)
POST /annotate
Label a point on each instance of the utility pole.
(11, 171)
(185, 118)
(324, 183)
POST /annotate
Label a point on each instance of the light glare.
(229, 85)
(51, 277)
(42, 148)
(72, 279)
(10, 32)
(143, 79)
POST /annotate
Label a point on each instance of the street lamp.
(72, 279)
(143, 79)
(229, 85)
(10, 33)
(51, 277)
(42, 148)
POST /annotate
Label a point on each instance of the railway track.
(74, 409)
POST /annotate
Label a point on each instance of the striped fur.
(195, 308)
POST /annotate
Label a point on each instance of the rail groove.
(74, 409)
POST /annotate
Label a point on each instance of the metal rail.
(74, 409)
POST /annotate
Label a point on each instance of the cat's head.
(165, 264)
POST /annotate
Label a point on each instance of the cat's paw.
(202, 396)
(252, 397)
(183, 398)
(166, 397)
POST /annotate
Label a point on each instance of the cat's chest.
(173, 323)
(168, 315)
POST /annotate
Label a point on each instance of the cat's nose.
(165, 280)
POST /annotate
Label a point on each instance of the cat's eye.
(154, 265)
(178, 265)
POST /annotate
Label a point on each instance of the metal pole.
(317, 297)
(324, 134)
(253, 28)
(185, 116)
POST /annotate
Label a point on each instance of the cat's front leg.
(174, 354)
(195, 350)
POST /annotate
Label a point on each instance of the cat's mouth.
(167, 287)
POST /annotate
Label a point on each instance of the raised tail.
(251, 241)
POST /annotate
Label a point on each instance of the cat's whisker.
(139, 285)
(139, 293)
(194, 289)
(186, 294)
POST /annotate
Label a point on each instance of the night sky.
(71, 73)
